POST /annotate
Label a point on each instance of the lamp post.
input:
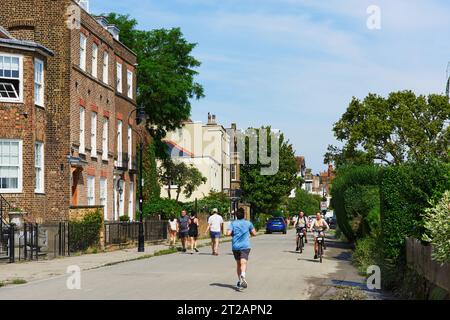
(140, 117)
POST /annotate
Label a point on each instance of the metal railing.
(122, 233)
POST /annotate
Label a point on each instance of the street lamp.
(140, 117)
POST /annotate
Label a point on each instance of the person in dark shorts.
(241, 230)
(193, 231)
(183, 227)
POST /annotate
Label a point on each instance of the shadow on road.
(223, 285)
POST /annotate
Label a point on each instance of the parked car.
(276, 224)
(331, 222)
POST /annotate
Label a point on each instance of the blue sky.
(295, 64)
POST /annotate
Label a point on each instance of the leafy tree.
(392, 130)
(151, 189)
(304, 201)
(186, 178)
(266, 192)
(437, 223)
(165, 74)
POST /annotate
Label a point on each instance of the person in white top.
(318, 226)
(215, 228)
(173, 229)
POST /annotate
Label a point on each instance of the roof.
(7, 40)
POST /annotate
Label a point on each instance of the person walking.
(173, 229)
(215, 228)
(241, 230)
(183, 227)
(193, 231)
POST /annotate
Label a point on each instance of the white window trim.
(130, 84)
(82, 149)
(122, 199)
(41, 102)
(20, 180)
(131, 209)
(105, 75)
(105, 188)
(83, 47)
(105, 141)
(42, 175)
(94, 117)
(119, 143)
(94, 60)
(119, 85)
(130, 147)
(20, 99)
(91, 184)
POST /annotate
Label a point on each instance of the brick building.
(87, 151)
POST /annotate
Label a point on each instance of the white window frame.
(119, 143)
(130, 147)
(94, 134)
(82, 148)
(131, 209)
(20, 93)
(90, 190)
(105, 138)
(104, 196)
(94, 60)
(39, 82)
(130, 84)
(122, 199)
(83, 42)
(19, 188)
(105, 74)
(39, 168)
(119, 78)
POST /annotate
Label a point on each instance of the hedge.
(355, 200)
(405, 192)
(85, 233)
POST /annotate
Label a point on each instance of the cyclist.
(301, 226)
(318, 226)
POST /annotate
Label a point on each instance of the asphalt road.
(275, 271)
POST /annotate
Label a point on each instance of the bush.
(85, 233)
(217, 200)
(261, 221)
(124, 218)
(405, 193)
(164, 207)
(366, 253)
(355, 200)
(437, 224)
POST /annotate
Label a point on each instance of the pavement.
(275, 272)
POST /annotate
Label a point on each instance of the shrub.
(86, 232)
(164, 207)
(217, 200)
(366, 253)
(405, 193)
(437, 224)
(124, 218)
(260, 221)
(355, 200)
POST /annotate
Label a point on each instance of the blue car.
(276, 224)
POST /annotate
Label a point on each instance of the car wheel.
(268, 232)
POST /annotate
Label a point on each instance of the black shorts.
(193, 234)
(241, 254)
(183, 234)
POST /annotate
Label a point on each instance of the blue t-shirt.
(241, 234)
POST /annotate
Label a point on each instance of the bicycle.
(320, 245)
(300, 241)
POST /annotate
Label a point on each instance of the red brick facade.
(68, 88)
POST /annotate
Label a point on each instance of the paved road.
(275, 272)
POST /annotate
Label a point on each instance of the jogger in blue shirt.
(241, 230)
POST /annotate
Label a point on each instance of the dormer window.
(11, 78)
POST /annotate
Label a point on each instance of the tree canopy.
(392, 130)
(266, 192)
(165, 73)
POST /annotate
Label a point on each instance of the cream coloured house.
(206, 147)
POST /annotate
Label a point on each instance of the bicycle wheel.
(301, 244)
(320, 251)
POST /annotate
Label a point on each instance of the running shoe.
(238, 286)
(244, 283)
(196, 250)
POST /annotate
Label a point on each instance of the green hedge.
(85, 234)
(405, 193)
(165, 207)
(355, 200)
